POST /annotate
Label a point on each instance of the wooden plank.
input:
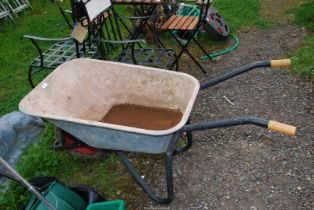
(193, 24)
(175, 22)
(187, 23)
(157, 1)
(168, 22)
(182, 21)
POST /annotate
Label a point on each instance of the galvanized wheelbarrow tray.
(80, 92)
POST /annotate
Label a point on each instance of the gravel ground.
(246, 167)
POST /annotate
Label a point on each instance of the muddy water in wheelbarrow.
(149, 118)
(76, 105)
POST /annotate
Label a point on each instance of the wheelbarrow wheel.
(188, 140)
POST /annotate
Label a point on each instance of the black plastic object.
(41, 182)
(89, 194)
(215, 26)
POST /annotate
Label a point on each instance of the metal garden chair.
(67, 15)
(107, 35)
(191, 24)
(17, 6)
(5, 12)
(143, 14)
(61, 50)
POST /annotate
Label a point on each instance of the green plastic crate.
(58, 196)
(108, 205)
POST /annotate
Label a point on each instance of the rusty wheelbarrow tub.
(77, 95)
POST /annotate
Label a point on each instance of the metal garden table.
(144, 11)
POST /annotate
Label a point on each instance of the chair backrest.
(18, 5)
(102, 23)
(94, 8)
(205, 5)
(3, 11)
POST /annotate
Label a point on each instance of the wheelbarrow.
(76, 96)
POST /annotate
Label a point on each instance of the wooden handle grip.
(280, 63)
(282, 128)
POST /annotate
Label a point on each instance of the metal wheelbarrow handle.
(246, 68)
(270, 124)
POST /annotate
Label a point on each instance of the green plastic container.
(108, 205)
(59, 196)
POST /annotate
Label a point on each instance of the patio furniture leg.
(29, 76)
(116, 21)
(64, 16)
(177, 63)
(126, 28)
(184, 49)
(156, 38)
(108, 46)
(142, 23)
(204, 51)
(113, 31)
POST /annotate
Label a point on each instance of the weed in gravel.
(303, 63)
(304, 15)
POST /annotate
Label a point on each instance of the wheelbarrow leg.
(147, 188)
(169, 175)
(188, 141)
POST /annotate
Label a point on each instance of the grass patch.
(264, 23)
(16, 52)
(304, 15)
(303, 64)
(242, 13)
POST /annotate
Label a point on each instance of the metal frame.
(153, 57)
(5, 12)
(62, 50)
(191, 37)
(173, 150)
(17, 6)
(64, 13)
(142, 15)
(187, 131)
(143, 19)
